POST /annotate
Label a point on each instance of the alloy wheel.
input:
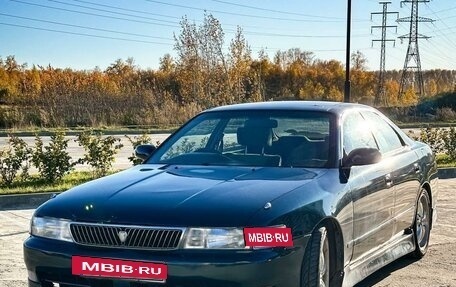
(323, 266)
(422, 222)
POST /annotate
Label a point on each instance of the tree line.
(203, 74)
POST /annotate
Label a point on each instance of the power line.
(129, 10)
(441, 54)
(112, 12)
(113, 31)
(83, 34)
(298, 36)
(444, 39)
(169, 16)
(438, 11)
(104, 32)
(449, 17)
(445, 29)
(430, 58)
(177, 26)
(84, 27)
(124, 19)
(278, 11)
(93, 14)
(239, 14)
(443, 22)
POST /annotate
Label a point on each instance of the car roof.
(322, 106)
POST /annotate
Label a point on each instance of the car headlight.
(53, 228)
(215, 238)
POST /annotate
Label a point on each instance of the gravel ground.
(436, 269)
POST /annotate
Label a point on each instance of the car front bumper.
(50, 261)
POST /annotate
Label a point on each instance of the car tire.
(33, 284)
(422, 225)
(316, 265)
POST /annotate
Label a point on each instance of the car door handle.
(388, 180)
(416, 168)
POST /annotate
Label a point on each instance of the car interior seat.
(255, 136)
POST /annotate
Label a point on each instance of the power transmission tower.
(380, 97)
(412, 75)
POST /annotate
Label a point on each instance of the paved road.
(13, 231)
(76, 152)
(437, 268)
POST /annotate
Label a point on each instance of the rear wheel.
(422, 224)
(316, 266)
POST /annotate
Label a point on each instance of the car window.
(387, 138)
(194, 140)
(356, 133)
(311, 128)
(252, 138)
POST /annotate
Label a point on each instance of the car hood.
(159, 195)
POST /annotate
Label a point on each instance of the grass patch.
(35, 184)
(443, 160)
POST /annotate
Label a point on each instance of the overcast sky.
(83, 34)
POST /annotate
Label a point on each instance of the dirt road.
(436, 269)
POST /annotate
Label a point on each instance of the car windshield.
(252, 138)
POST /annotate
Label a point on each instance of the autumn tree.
(291, 56)
(363, 83)
(240, 60)
(188, 63)
(201, 65)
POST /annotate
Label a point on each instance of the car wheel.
(315, 268)
(422, 224)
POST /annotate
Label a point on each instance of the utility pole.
(347, 55)
(412, 75)
(380, 97)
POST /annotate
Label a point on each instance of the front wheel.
(316, 264)
(422, 224)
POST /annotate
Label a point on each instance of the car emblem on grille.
(122, 236)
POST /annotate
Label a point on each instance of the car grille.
(133, 236)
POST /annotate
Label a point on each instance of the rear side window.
(356, 133)
(387, 138)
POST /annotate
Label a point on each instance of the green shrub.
(434, 137)
(136, 141)
(99, 151)
(13, 158)
(52, 161)
(444, 160)
(450, 143)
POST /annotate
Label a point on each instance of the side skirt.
(400, 245)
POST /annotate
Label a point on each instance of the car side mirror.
(144, 151)
(362, 156)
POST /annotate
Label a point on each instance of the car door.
(373, 197)
(405, 169)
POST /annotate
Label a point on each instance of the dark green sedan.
(283, 194)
